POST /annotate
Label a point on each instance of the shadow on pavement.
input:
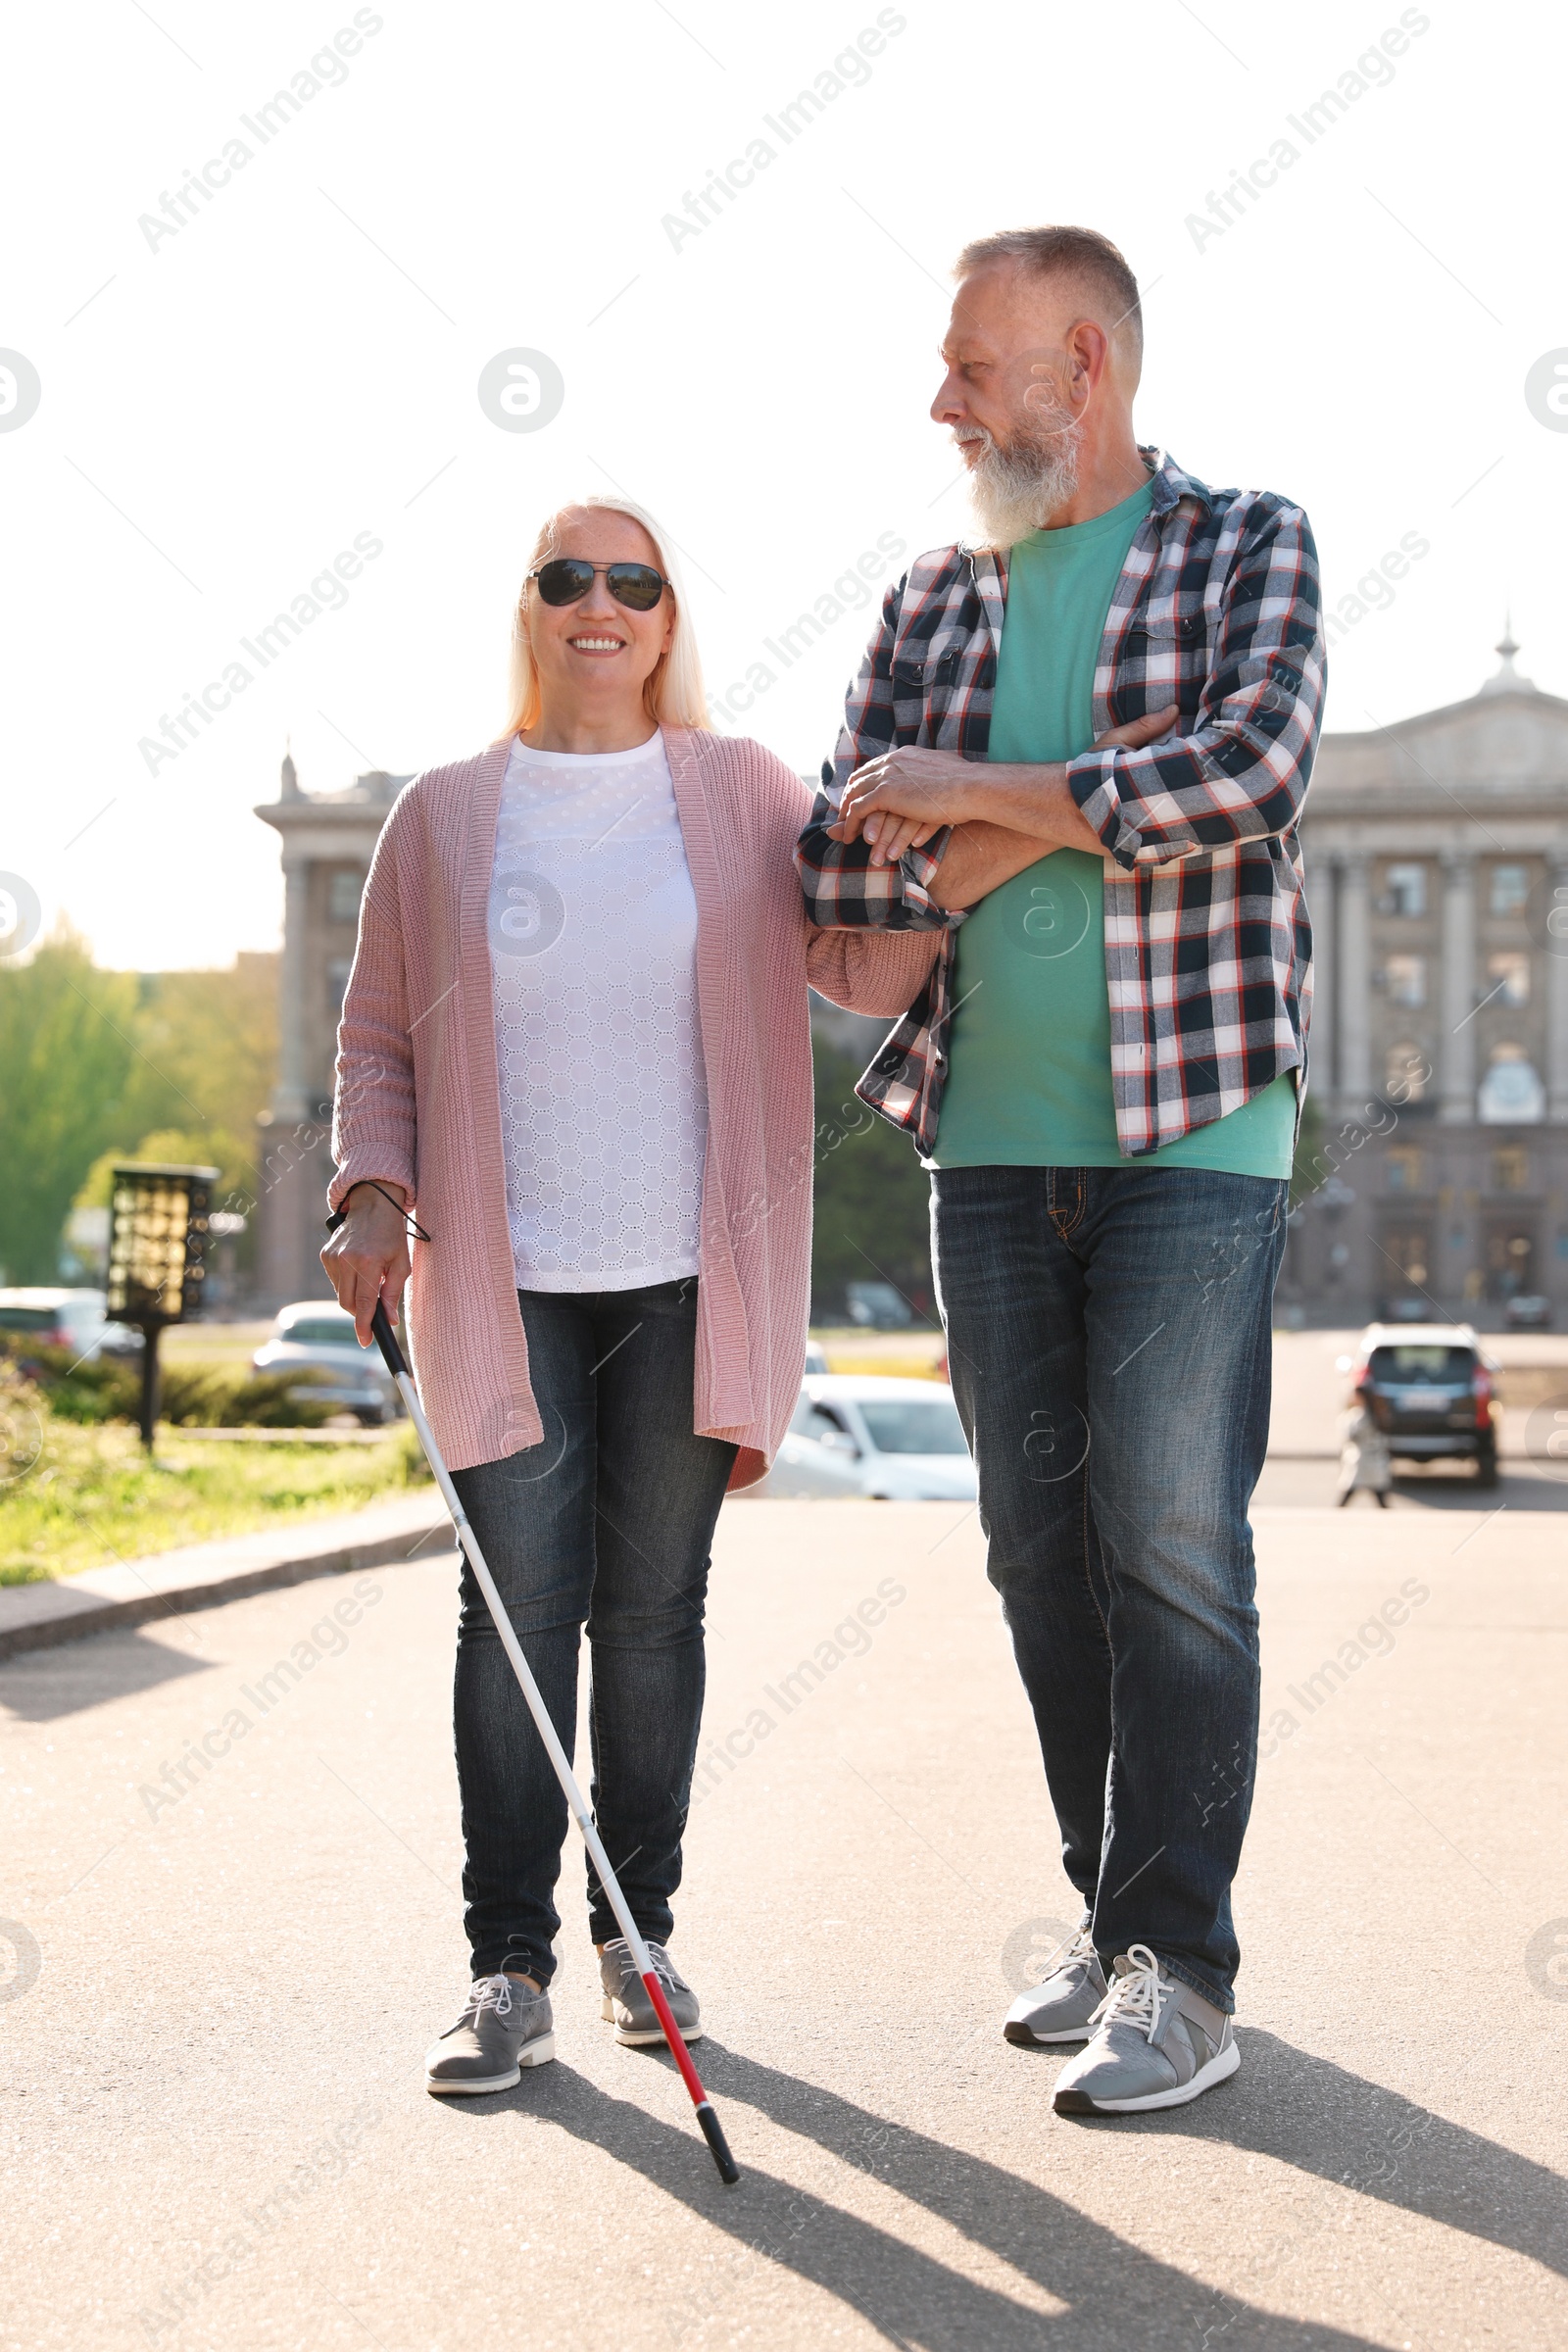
(43, 1684)
(1310, 1483)
(1305, 2111)
(1117, 2298)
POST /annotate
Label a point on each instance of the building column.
(1457, 1106)
(1354, 1009)
(1556, 980)
(291, 1097)
(1320, 896)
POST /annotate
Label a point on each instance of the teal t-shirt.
(1029, 1053)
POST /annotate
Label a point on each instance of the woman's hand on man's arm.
(366, 1258)
(899, 800)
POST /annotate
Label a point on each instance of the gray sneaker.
(626, 2005)
(1155, 2043)
(503, 2027)
(1061, 2005)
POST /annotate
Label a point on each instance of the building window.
(1511, 1092)
(1406, 979)
(337, 980)
(1510, 1263)
(343, 895)
(1406, 1251)
(1510, 889)
(1403, 1167)
(1509, 977)
(1510, 1170)
(1405, 1072)
(1405, 887)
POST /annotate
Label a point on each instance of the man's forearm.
(979, 858)
(1023, 798)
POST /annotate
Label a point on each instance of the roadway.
(218, 2133)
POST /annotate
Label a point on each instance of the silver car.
(891, 1441)
(315, 1337)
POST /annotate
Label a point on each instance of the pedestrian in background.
(575, 1043)
(1364, 1460)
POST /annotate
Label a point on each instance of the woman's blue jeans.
(607, 1524)
(1109, 1341)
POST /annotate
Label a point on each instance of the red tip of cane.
(713, 2129)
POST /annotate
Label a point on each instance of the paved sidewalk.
(164, 1584)
(231, 1884)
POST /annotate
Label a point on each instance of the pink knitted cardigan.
(418, 1095)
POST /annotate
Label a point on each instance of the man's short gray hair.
(1081, 254)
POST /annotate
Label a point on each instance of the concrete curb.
(199, 1575)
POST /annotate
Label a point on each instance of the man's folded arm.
(1241, 773)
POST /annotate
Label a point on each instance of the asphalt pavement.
(230, 1888)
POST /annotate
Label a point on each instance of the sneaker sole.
(636, 2037)
(1218, 2070)
(473, 2086)
(1025, 2037)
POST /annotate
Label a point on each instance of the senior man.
(1080, 746)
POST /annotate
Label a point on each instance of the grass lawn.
(882, 1355)
(91, 1497)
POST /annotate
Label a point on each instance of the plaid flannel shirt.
(1208, 944)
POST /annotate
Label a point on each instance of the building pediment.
(1507, 745)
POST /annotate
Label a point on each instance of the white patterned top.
(593, 955)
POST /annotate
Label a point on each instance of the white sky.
(234, 407)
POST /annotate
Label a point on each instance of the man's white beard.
(1015, 491)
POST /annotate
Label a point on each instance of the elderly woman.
(576, 1045)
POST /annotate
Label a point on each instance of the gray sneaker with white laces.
(503, 2027)
(1155, 2043)
(626, 2005)
(1059, 2008)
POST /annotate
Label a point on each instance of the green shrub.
(192, 1395)
(103, 1390)
(417, 1471)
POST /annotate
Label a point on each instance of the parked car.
(49, 1318)
(895, 1441)
(122, 1341)
(318, 1338)
(815, 1360)
(1528, 1313)
(1434, 1394)
(877, 1306)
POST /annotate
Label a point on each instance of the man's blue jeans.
(1109, 1341)
(606, 1523)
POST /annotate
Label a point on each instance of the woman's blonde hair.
(673, 694)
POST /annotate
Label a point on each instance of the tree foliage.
(872, 1211)
(67, 1047)
(96, 1064)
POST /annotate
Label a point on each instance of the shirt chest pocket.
(923, 690)
(1168, 657)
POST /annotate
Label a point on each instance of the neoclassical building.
(328, 839)
(1436, 875)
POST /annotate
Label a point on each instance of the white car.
(318, 1336)
(894, 1441)
(51, 1318)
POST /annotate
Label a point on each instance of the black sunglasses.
(567, 579)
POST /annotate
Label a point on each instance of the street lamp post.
(158, 1225)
